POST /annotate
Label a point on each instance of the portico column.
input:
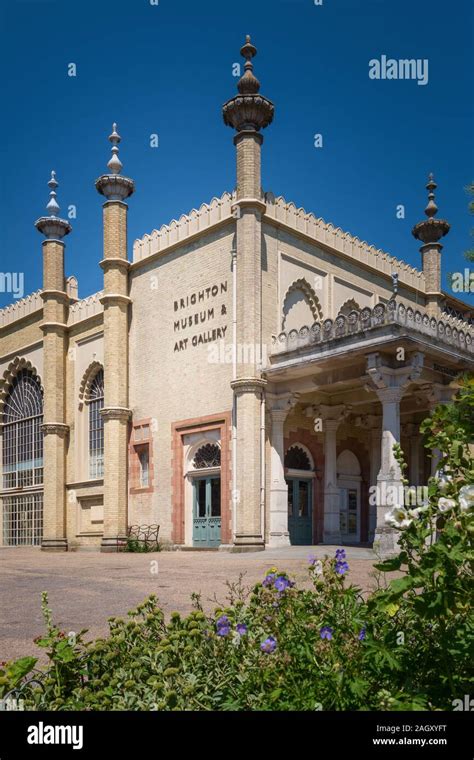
(375, 452)
(390, 385)
(279, 408)
(331, 417)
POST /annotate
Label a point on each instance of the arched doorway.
(206, 485)
(299, 475)
(349, 484)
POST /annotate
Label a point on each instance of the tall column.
(279, 407)
(375, 453)
(390, 385)
(116, 301)
(248, 113)
(430, 233)
(414, 437)
(331, 417)
(54, 327)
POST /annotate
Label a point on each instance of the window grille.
(96, 426)
(22, 435)
(23, 519)
(297, 459)
(208, 455)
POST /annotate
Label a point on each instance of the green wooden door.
(300, 511)
(207, 512)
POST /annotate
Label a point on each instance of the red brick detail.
(134, 446)
(221, 422)
(360, 451)
(316, 450)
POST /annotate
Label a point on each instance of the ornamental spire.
(115, 165)
(431, 230)
(248, 110)
(113, 185)
(52, 206)
(52, 226)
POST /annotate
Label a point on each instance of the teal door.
(207, 512)
(300, 511)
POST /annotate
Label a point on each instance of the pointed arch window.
(96, 426)
(22, 435)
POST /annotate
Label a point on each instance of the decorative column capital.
(115, 413)
(55, 428)
(248, 385)
(390, 382)
(280, 405)
(332, 416)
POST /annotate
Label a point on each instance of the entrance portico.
(360, 385)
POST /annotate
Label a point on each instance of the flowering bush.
(279, 647)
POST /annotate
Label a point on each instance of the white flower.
(466, 498)
(443, 481)
(399, 518)
(415, 513)
(444, 505)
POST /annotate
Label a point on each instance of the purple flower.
(269, 645)
(340, 554)
(362, 634)
(341, 567)
(268, 580)
(326, 632)
(311, 559)
(281, 583)
(223, 626)
(241, 629)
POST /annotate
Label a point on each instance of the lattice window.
(297, 459)
(208, 455)
(96, 426)
(23, 519)
(22, 434)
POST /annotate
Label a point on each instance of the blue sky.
(167, 69)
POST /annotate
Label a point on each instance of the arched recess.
(349, 483)
(301, 306)
(16, 365)
(349, 305)
(348, 464)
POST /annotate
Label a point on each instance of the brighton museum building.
(240, 382)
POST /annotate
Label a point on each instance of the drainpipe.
(234, 397)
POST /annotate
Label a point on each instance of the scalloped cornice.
(333, 237)
(21, 308)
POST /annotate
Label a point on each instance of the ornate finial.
(52, 226)
(248, 84)
(431, 209)
(115, 164)
(113, 185)
(52, 205)
(394, 284)
(431, 230)
(248, 110)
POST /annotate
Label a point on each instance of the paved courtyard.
(85, 588)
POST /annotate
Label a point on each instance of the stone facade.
(240, 382)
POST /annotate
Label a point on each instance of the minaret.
(248, 113)
(54, 327)
(116, 302)
(430, 232)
